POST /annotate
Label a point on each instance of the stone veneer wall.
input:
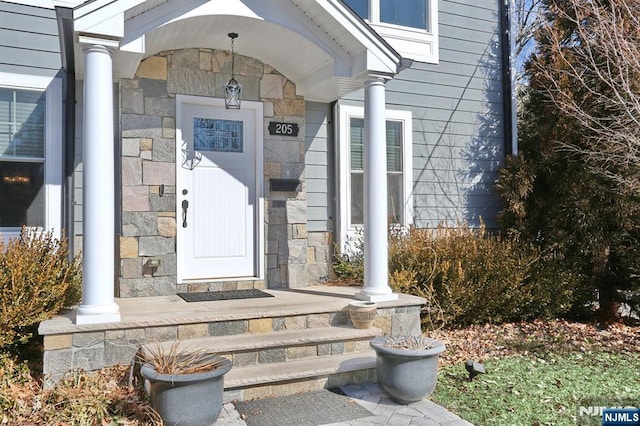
(319, 256)
(148, 111)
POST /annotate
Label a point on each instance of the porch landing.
(298, 340)
(160, 311)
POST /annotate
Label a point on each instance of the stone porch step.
(250, 325)
(290, 377)
(279, 339)
(290, 361)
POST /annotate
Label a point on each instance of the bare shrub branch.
(595, 78)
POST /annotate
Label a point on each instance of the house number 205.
(283, 129)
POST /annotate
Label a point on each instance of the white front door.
(217, 196)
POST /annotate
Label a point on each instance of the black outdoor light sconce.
(232, 89)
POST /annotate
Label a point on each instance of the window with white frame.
(399, 168)
(30, 153)
(410, 26)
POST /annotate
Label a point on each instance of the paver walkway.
(385, 411)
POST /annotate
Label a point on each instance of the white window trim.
(348, 233)
(53, 145)
(414, 43)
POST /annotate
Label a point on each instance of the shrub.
(470, 276)
(13, 375)
(36, 281)
(349, 261)
(101, 398)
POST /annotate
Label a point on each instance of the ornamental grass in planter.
(184, 386)
(407, 366)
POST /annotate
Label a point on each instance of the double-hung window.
(410, 26)
(30, 153)
(351, 165)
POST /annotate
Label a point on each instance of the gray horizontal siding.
(481, 14)
(319, 170)
(488, 93)
(444, 115)
(453, 75)
(452, 169)
(458, 133)
(319, 186)
(467, 49)
(471, 202)
(487, 150)
(28, 40)
(474, 183)
(24, 9)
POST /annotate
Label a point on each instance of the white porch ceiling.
(277, 46)
(318, 44)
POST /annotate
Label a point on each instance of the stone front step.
(285, 362)
(303, 375)
(290, 361)
(320, 340)
(300, 316)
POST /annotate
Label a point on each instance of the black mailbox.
(285, 185)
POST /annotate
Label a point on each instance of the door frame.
(259, 233)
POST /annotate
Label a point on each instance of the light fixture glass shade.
(232, 91)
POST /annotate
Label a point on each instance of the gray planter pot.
(406, 375)
(187, 399)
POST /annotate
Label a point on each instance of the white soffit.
(318, 44)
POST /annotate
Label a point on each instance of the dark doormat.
(208, 296)
(305, 409)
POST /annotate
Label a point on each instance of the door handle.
(185, 206)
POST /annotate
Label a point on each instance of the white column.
(98, 239)
(376, 257)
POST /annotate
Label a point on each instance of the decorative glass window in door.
(22, 158)
(210, 134)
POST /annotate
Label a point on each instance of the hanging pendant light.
(232, 89)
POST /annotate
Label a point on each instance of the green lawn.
(528, 390)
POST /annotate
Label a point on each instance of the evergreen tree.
(555, 191)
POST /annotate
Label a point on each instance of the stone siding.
(148, 123)
(319, 256)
